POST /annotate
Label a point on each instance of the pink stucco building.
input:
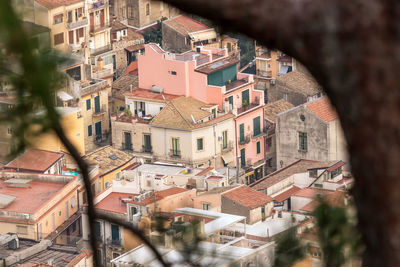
(210, 75)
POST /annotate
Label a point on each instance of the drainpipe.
(237, 156)
(215, 147)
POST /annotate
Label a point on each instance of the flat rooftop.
(31, 198)
(114, 202)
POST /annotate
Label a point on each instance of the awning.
(64, 96)
(228, 158)
(283, 70)
(133, 48)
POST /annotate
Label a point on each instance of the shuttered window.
(59, 38)
(256, 126)
(241, 129)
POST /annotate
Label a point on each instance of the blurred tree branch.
(352, 48)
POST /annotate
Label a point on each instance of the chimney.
(100, 63)
(131, 87)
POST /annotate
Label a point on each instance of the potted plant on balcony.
(245, 104)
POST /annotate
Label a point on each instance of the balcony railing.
(263, 53)
(228, 147)
(264, 73)
(147, 149)
(93, 5)
(247, 107)
(175, 153)
(244, 140)
(235, 84)
(98, 138)
(259, 134)
(94, 86)
(100, 50)
(100, 111)
(115, 242)
(77, 24)
(127, 147)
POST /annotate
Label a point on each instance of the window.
(115, 234)
(241, 130)
(206, 206)
(175, 147)
(285, 96)
(98, 230)
(313, 173)
(58, 19)
(302, 141)
(256, 126)
(258, 147)
(173, 72)
(147, 9)
(200, 145)
(133, 210)
(242, 158)
(9, 130)
(90, 132)
(22, 230)
(214, 112)
(269, 162)
(88, 104)
(224, 139)
(59, 38)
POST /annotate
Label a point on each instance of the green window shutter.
(97, 104)
(224, 139)
(241, 128)
(242, 157)
(245, 97)
(258, 147)
(90, 130)
(256, 126)
(200, 144)
(88, 104)
(303, 141)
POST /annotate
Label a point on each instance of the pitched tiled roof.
(299, 166)
(271, 109)
(35, 160)
(108, 158)
(323, 108)
(247, 197)
(162, 194)
(143, 94)
(114, 202)
(299, 82)
(185, 25)
(311, 192)
(286, 194)
(335, 199)
(56, 3)
(180, 112)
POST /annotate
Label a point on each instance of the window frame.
(303, 142)
(202, 143)
(55, 38)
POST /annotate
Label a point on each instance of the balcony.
(114, 242)
(77, 24)
(244, 140)
(238, 83)
(99, 4)
(147, 149)
(99, 112)
(258, 135)
(92, 86)
(74, 47)
(248, 107)
(100, 50)
(229, 147)
(127, 147)
(175, 153)
(263, 53)
(100, 74)
(100, 138)
(264, 73)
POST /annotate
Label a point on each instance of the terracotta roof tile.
(247, 197)
(104, 157)
(144, 94)
(274, 108)
(57, 3)
(162, 194)
(180, 112)
(286, 194)
(300, 82)
(299, 166)
(311, 192)
(323, 108)
(185, 25)
(335, 199)
(35, 160)
(31, 198)
(114, 203)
